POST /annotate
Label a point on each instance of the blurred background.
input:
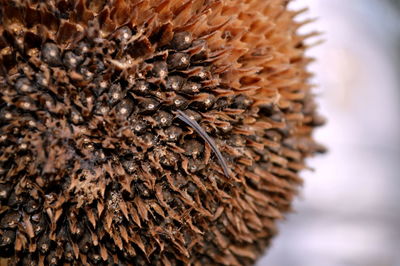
(348, 213)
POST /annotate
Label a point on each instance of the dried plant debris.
(106, 109)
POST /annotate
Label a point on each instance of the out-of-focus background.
(348, 213)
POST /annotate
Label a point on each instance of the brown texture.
(95, 166)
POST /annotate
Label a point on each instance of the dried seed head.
(149, 133)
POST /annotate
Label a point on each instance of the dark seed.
(182, 40)
(14, 200)
(44, 244)
(82, 48)
(202, 53)
(98, 66)
(149, 139)
(52, 259)
(101, 108)
(178, 61)
(193, 115)
(163, 118)
(32, 206)
(160, 69)
(241, 102)
(5, 190)
(51, 54)
(115, 93)
(95, 258)
(130, 166)
(173, 133)
(24, 85)
(148, 105)
(10, 220)
(39, 227)
(87, 74)
(138, 126)
(193, 148)
(84, 244)
(222, 102)
(7, 238)
(191, 87)
(175, 83)
(123, 34)
(68, 252)
(71, 60)
(100, 87)
(124, 108)
(180, 101)
(141, 87)
(41, 80)
(170, 159)
(76, 116)
(204, 103)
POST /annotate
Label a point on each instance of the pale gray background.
(348, 213)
